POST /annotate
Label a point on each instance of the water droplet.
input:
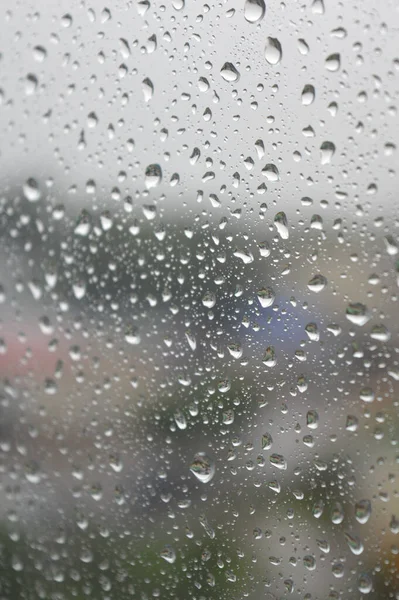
(309, 562)
(132, 336)
(191, 340)
(148, 89)
(271, 172)
(327, 151)
(308, 95)
(354, 543)
(352, 423)
(281, 224)
(313, 332)
(153, 176)
(278, 460)
(31, 190)
(357, 313)
(266, 297)
(380, 333)
(366, 394)
(209, 300)
(269, 357)
(264, 249)
(273, 51)
(317, 509)
(83, 224)
(317, 283)
(394, 525)
(333, 62)
(235, 350)
(337, 513)
(229, 72)
(365, 583)
(312, 419)
(180, 420)
(168, 554)
(202, 467)
(267, 441)
(254, 10)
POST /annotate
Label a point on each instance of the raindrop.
(333, 62)
(357, 313)
(254, 10)
(278, 460)
(229, 72)
(313, 332)
(354, 543)
(273, 51)
(266, 297)
(267, 441)
(153, 176)
(148, 89)
(308, 95)
(168, 554)
(31, 190)
(327, 151)
(269, 358)
(317, 283)
(202, 467)
(281, 224)
(363, 511)
(271, 173)
(365, 583)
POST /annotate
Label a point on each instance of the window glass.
(199, 291)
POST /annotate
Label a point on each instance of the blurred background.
(199, 286)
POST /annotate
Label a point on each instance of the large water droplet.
(308, 95)
(333, 62)
(254, 10)
(153, 176)
(168, 554)
(266, 297)
(365, 583)
(317, 283)
(357, 313)
(278, 460)
(31, 190)
(273, 51)
(148, 89)
(354, 543)
(281, 224)
(229, 72)
(327, 151)
(202, 467)
(267, 441)
(271, 172)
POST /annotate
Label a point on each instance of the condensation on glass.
(199, 300)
